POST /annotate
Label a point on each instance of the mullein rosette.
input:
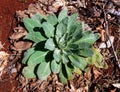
(60, 45)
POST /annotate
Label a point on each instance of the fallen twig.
(107, 32)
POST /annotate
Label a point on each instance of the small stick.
(107, 33)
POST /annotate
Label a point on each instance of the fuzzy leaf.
(48, 29)
(75, 38)
(97, 60)
(30, 24)
(65, 59)
(35, 37)
(44, 70)
(77, 70)
(85, 33)
(80, 46)
(73, 29)
(84, 45)
(27, 54)
(37, 17)
(69, 72)
(86, 52)
(75, 35)
(50, 44)
(73, 47)
(90, 38)
(78, 61)
(71, 20)
(62, 41)
(57, 55)
(62, 77)
(63, 14)
(28, 72)
(37, 57)
(61, 29)
(52, 19)
(55, 67)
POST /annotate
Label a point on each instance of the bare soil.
(7, 22)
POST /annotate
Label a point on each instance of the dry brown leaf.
(3, 61)
(72, 88)
(16, 36)
(20, 15)
(89, 74)
(19, 32)
(21, 45)
(96, 73)
(102, 32)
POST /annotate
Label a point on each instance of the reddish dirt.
(7, 12)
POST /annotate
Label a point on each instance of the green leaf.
(89, 38)
(77, 70)
(52, 19)
(57, 55)
(84, 45)
(67, 51)
(28, 71)
(69, 72)
(63, 14)
(74, 32)
(37, 57)
(86, 52)
(55, 67)
(61, 29)
(30, 24)
(37, 17)
(82, 49)
(62, 76)
(80, 46)
(65, 59)
(50, 44)
(97, 60)
(48, 29)
(71, 20)
(86, 33)
(77, 34)
(44, 70)
(71, 30)
(73, 47)
(35, 37)
(62, 42)
(78, 61)
(27, 54)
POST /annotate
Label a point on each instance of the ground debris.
(95, 80)
(1, 45)
(3, 62)
(19, 32)
(107, 44)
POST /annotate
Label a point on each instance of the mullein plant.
(60, 46)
